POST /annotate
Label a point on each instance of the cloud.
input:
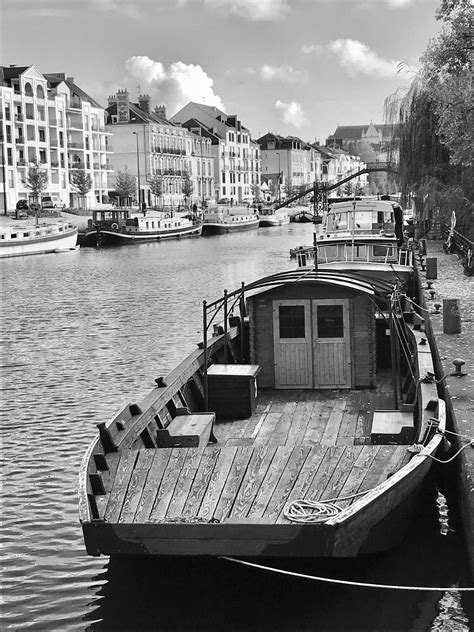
(174, 85)
(253, 10)
(284, 74)
(291, 113)
(357, 58)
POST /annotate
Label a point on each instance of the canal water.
(81, 333)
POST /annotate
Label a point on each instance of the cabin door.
(292, 344)
(331, 341)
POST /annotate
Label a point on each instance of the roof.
(137, 115)
(356, 132)
(7, 73)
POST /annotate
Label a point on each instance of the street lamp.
(138, 171)
(279, 177)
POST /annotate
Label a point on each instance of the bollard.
(432, 294)
(458, 364)
(451, 316)
(431, 268)
(437, 308)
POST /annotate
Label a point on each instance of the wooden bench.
(392, 427)
(187, 430)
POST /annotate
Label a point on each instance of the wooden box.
(232, 390)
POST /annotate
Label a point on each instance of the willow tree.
(435, 135)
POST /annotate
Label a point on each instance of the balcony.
(19, 118)
(74, 104)
(19, 141)
(76, 145)
(54, 164)
(75, 165)
(21, 163)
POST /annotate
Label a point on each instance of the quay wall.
(452, 283)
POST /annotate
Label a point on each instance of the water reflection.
(83, 331)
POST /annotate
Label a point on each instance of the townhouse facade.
(288, 164)
(153, 148)
(381, 137)
(237, 162)
(46, 119)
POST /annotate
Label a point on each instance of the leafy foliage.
(36, 180)
(436, 135)
(81, 181)
(125, 183)
(188, 186)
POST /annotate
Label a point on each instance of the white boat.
(272, 217)
(362, 236)
(222, 219)
(114, 226)
(27, 238)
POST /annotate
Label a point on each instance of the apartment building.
(151, 147)
(48, 119)
(237, 163)
(289, 160)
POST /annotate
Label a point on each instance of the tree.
(125, 183)
(82, 182)
(256, 191)
(187, 187)
(156, 186)
(37, 181)
(436, 131)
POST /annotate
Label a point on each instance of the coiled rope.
(316, 510)
(347, 582)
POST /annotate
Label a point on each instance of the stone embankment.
(452, 287)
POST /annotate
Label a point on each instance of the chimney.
(160, 111)
(123, 106)
(144, 102)
(112, 100)
(70, 79)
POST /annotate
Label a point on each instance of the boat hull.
(42, 245)
(109, 236)
(268, 221)
(215, 228)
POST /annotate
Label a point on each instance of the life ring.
(114, 226)
(167, 216)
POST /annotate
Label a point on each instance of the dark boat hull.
(223, 228)
(109, 237)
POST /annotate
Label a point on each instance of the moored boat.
(364, 236)
(344, 422)
(228, 219)
(271, 217)
(23, 238)
(114, 226)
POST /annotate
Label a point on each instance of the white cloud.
(358, 58)
(174, 85)
(284, 74)
(291, 113)
(254, 10)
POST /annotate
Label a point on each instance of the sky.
(292, 67)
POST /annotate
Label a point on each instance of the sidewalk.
(452, 283)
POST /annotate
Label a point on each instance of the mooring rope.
(347, 582)
(316, 510)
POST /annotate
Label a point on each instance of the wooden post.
(242, 315)
(393, 354)
(225, 326)
(204, 328)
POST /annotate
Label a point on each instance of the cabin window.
(357, 251)
(328, 253)
(292, 322)
(330, 321)
(13, 235)
(26, 234)
(383, 251)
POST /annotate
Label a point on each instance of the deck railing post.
(242, 315)
(225, 326)
(204, 328)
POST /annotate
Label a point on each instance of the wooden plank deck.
(297, 445)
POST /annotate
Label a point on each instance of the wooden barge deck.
(298, 444)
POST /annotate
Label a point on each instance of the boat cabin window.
(28, 234)
(330, 321)
(356, 251)
(13, 235)
(291, 320)
(328, 253)
(385, 252)
(337, 221)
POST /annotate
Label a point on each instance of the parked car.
(22, 205)
(47, 202)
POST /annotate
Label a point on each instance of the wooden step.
(392, 427)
